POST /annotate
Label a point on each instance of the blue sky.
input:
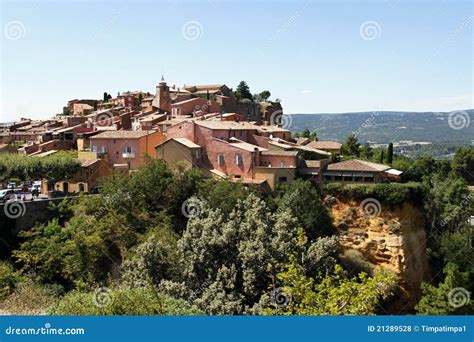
(316, 56)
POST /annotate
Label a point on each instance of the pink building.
(126, 149)
(227, 150)
(195, 106)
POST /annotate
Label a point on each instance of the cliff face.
(388, 237)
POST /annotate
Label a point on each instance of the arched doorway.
(81, 187)
(66, 187)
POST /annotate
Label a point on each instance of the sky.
(316, 56)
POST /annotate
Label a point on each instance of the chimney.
(256, 157)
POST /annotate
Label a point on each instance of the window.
(238, 160)
(128, 149)
(220, 159)
(282, 179)
(103, 149)
(94, 148)
(197, 153)
(282, 163)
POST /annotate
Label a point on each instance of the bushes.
(8, 279)
(30, 299)
(391, 193)
(137, 301)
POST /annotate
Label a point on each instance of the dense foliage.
(60, 165)
(167, 241)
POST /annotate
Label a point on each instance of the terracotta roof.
(194, 99)
(88, 162)
(245, 145)
(231, 125)
(357, 165)
(280, 153)
(271, 129)
(122, 134)
(186, 142)
(326, 144)
(204, 87)
(302, 141)
(312, 163)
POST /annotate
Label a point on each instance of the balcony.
(127, 155)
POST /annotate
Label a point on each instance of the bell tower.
(162, 98)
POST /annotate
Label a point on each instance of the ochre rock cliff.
(393, 237)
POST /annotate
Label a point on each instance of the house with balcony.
(359, 171)
(125, 149)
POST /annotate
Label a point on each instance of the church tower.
(162, 98)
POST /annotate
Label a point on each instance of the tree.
(390, 154)
(450, 297)
(351, 146)
(382, 157)
(106, 97)
(60, 165)
(335, 294)
(463, 164)
(234, 258)
(243, 91)
(265, 95)
(306, 206)
(366, 151)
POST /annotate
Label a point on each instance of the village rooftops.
(302, 141)
(358, 165)
(122, 134)
(204, 87)
(245, 145)
(272, 129)
(280, 153)
(88, 162)
(227, 125)
(325, 145)
(186, 142)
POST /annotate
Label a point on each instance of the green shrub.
(8, 279)
(121, 301)
(391, 193)
(29, 299)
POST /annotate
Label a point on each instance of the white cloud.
(306, 92)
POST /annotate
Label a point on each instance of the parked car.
(11, 185)
(6, 194)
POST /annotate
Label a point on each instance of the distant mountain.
(385, 127)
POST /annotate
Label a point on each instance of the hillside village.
(207, 127)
